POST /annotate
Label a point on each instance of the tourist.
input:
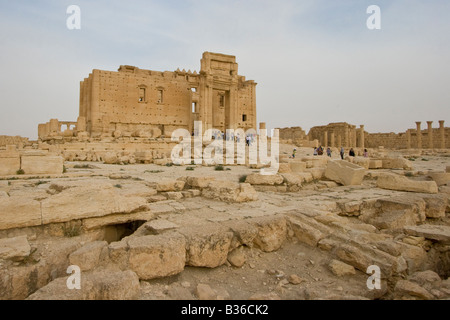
(329, 152)
(351, 152)
(315, 151)
(342, 153)
(293, 153)
(366, 154)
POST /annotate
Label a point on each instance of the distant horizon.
(315, 61)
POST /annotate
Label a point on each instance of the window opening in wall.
(194, 89)
(222, 100)
(160, 96)
(141, 94)
(244, 117)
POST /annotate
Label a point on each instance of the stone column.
(408, 139)
(339, 141)
(354, 137)
(361, 136)
(346, 140)
(419, 135)
(430, 134)
(325, 139)
(333, 144)
(442, 133)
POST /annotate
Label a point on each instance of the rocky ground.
(191, 232)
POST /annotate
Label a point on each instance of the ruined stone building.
(342, 134)
(145, 103)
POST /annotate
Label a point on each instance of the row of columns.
(430, 135)
(347, 137)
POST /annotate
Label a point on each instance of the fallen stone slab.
(400, 183)
(15, 249)
(408, 288)
(262, 179)
(158, 226)
(341, 269)
(375, 164)
(90, 255)
(97, 285)
(170, 185)
(230, 191)
(432, 232)
(396, 163)
(344, 172)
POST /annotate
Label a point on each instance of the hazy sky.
(315, 61)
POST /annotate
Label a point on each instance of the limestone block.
(440, 178)
(143, 156)
(394, 219)
(110, 158)
(305, 176)
(258, 179)
(375, 164)
(297, 166)
(292, 179)
(407, 288)
(174, 195)
(236, 257)
(16, 248)
(306, 233)
(42, 164)
(199, 182)
(397, 163)
(97, 285)
(170, 185)
(447, 169)
(432, 232)
(207, 245)
(436, 205)
(317, 173)
(395, 182)
(230, 191)
(19, 212)
(345, 173)
(157, 256)
(89, 256)
(158, 226)
(284, 168)
(340, 268)
(9, 165)
(271, 232)
(95, 200)
(363, 162)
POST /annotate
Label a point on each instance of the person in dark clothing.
(351, 153)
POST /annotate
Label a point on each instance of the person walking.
(342, 153)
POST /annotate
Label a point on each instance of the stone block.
(363, 162)
(157, 256)
(19, 212)
(375, 164)
(397, 163)
(170, 185)
(396, 182)
(42, 164)
(261, 179)
(440, 178)
(341, 269)
(433, 232)
(199, 182)
(9, 165)
(90, 255)
(297, 166)
(345, 173)
(230, 191)
(271, 232)
(16, 248)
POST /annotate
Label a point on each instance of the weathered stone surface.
(230, 191)
(264, 296)
(19, 212)
(397, 163)
(96, 200)
(243, 233)
(345, 173)
(170, 185)
(434, 232)
(114, 219)
(341, 269)
(110, 158)
(261, 179)
(271, 234)
(395, 182)
(362, 162)
(375, 164)
(97, 285)
(16, 248)
(204, 292)
(172, 195)
(408, 288)
(317, 172)
(441, 178)
(292, 179)
(436, 205)
(297, 166)
(394, 219)
(295, 279)
(237, 257)
(426, 279)
(199, 182)
(284, 168)
(9, 165)
(157, 256)
(158, 226)
(90, 255)
(305, 232)
(42, 164)
(207, 246)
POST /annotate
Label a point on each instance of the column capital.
(429, 123)
(418, 122)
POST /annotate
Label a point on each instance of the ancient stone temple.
(145, 103)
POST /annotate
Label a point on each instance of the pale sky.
(315, 61)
